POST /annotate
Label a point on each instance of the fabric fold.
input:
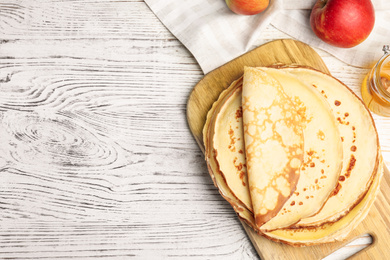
(215, 35)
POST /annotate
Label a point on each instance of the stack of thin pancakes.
(295, 152)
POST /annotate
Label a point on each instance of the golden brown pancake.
(273, 143)
(323, 230)
(210, 153)
(359, 140)
(229, 147)
(323, 153)
(334, 231)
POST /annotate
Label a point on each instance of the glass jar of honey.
(376, 86)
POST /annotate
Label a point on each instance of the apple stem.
(386, 49)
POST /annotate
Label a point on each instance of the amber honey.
(376, 86)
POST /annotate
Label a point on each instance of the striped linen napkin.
(215, 35)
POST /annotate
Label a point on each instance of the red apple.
(342, 23)
(247, 7)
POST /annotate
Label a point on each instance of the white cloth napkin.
(215, 35)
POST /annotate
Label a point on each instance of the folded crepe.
(323, 153)
(273, 134)
(360, 145)
(331, 231)
(224, 155)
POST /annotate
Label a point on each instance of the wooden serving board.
(377, 223)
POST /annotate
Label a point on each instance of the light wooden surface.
(96, 157)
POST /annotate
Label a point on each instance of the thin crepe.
(273, 143)
(323, 153)
(333, 231)
(210, 152)
(302, 236)
(360, 145)
(327, 233)
(229, 146)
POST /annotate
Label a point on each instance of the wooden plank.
(85, 19)
(286, 52)
(96, 160)
(137, 187)
(162, 204)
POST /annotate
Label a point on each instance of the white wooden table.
(96, 159)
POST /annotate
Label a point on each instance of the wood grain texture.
(287, 51)
(97, 160)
